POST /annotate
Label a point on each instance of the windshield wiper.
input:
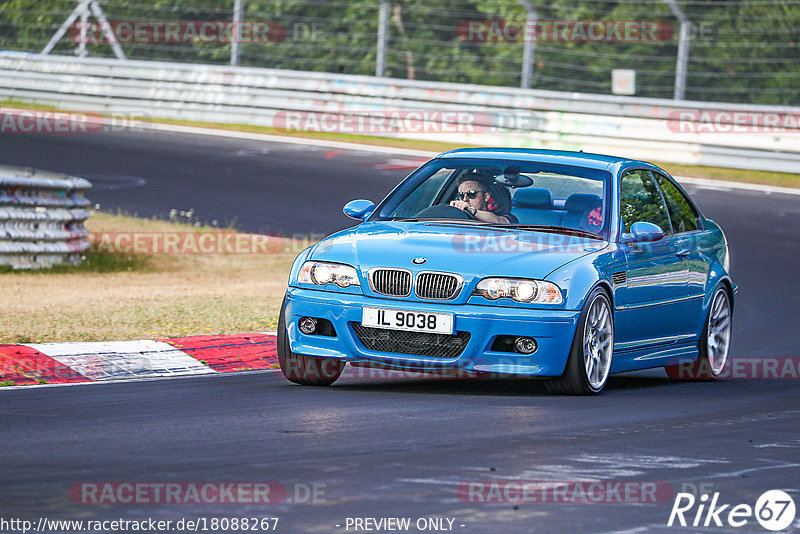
(471, 224)
(548, 228)
(501, 226)
(439, 220)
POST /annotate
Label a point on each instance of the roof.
(579, 159)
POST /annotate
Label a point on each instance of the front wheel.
(592, 349)
(715, 343)
(301, 369)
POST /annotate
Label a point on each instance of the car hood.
(457, 248)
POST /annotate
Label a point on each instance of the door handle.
(682, 248)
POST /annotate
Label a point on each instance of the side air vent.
(619, 278)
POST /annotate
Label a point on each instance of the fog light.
(525, 345)
(308, 325)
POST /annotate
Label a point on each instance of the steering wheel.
(444, 211)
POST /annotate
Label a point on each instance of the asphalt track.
(279, 188)
(394, 446)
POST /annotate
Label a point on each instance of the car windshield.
(517, 194)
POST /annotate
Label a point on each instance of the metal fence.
(41, 218)
(733, 51)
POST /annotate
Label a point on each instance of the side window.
(640, 200)
(683, 216)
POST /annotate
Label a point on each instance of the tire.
(592, 350)
(714, 345)
(301, 369)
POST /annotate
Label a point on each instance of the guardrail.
(42, 218)
(663, 130)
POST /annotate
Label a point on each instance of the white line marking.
(435, 481)
(122, 359)
(138, 379)
(751, 470)
(723, 185)
(288, 140)
(700, 182)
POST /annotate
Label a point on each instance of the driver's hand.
(460, 204)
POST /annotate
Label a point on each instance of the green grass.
(153, 296)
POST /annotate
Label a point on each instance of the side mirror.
(359, 209)
(642, 231)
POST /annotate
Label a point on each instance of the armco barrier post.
(42, 218)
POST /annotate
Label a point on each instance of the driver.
(474, 198)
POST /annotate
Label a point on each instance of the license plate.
(412, 321)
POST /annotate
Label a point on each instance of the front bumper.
(553, 331)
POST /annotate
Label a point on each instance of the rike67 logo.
(774, 510)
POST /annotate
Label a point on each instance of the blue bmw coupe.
(563, 266)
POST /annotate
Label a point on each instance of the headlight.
(321, 273)
(521, 290)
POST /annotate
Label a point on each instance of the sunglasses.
(472, 194)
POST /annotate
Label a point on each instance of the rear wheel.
(301, 369)
(592, 349)
(715, 343)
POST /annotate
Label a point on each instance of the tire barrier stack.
(42, 218)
